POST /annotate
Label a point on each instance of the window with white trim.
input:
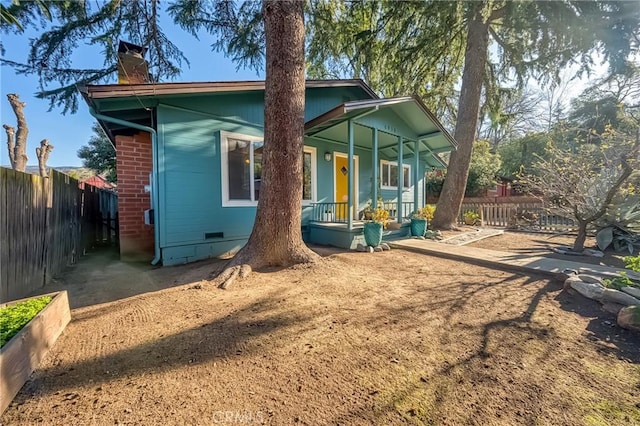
(389, 175)
(241, 158)
(309, 178)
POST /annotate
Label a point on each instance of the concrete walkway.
(503, 260)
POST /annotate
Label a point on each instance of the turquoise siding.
(190, 193)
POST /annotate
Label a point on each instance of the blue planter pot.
(373, 233)
(418, 227)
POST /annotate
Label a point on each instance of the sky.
(69, 132)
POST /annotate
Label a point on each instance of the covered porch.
(404, 140)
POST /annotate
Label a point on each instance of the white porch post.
(350, 194)
(400, 178)
(375, 168)
(416, 174)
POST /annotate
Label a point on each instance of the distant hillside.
(79, 173)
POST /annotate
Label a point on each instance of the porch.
(376, 155)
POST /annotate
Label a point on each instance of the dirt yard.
(383, 338)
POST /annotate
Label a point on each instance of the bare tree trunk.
(17, 141)
(455, 182)
(43, 155)
(578, 244)
(276, 238)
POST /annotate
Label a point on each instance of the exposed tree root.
(244, 263)
(231, 273)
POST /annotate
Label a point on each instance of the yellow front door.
(341, 173)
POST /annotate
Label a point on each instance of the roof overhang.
(406, 117)
(110, 91)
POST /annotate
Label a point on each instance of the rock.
(420, 237)
(590, 279)
(370, 249)
(634, 291)
(613, 308)
(593, 253)
(385, 246)
(360, 247)
(588, 290)
(629, 318)
(377, 249)
(616, 296)
(570, 271)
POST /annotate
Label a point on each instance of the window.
(242, 170)
(309, 175)
(389, 175)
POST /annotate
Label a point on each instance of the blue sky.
(69, 132)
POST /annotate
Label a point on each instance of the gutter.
(154, 173)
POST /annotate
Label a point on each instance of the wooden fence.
(45, 225)
(529, 215)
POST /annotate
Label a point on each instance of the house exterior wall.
(133, 164)
(192, 222)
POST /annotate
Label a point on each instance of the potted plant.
(373, 229)
(419, 220)
(471, 217)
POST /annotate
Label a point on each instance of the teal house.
(189, 162)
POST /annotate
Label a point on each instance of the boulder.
(629, 318)
(616, 296)
(377, 249)
(361, 248)
(369, 249)
(589, 290)
(590, 279)
(613, 308)
(634, 291)
(385, 246)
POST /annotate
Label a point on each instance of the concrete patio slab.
(504, 260)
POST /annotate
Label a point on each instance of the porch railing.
(392, 208)
(330, 212)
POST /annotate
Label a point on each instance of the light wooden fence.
(509, 215)
(45, 225)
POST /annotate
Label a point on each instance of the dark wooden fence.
(46, 225)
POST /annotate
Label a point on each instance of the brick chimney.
(132, 67)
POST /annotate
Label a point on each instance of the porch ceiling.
(405, 117)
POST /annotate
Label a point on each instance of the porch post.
(350, 194)
(375, 168)
(400, 178)
(416, 174)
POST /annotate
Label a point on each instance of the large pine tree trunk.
(452, 193)
(276, 239)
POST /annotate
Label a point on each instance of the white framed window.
(389, 175)
(241, 169)
(309, 177)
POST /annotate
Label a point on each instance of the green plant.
(620, 226)
(471, 216)
(14, 317)
(632, 263)
(426, 212)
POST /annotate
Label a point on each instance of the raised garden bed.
(22, 354)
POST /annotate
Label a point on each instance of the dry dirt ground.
(361, 339)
